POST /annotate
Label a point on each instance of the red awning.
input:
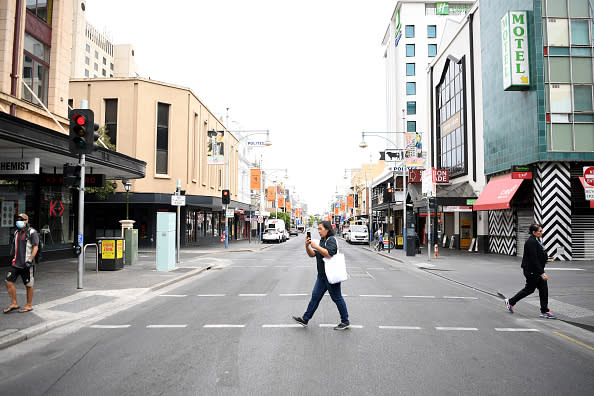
(498, 193)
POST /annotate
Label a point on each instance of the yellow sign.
(108, 249)
(120, 248)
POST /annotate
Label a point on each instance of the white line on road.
(564, 269)
(211, 295)
(109, 326)
(333, 325)
(281, 325)
(376, 268)
(166, 326)
(281, 266)
(461, 298)
(173, 295)
(375, 295)
(418, 296)
(401, 327)
(513, 329)
(252, 295)
(457, 328)
(220, 326)
(293, 294)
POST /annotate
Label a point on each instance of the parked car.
(357, 234)
(345, 231)
(272, 235)
(294, 232)
(286, 235)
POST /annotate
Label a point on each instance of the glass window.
(560, 98)
(561, 136)
(409, 31)
(556, 8)
(584, 137)
(410, 50)
(41, 9)
(88, 48)
(581, 70)
(432, 50)
(96, 67)
(111, 119)
(411, 107)
(35, 70)
(36, 48)
(577, 8)
(558, 32)
(581, 51)
(582, 97)
(431, 31)
(558, 51)
(87, 60)
(111, 66)
(104, 73)
(86, 72)
(411, 126)
(410, 69)
(411, 88)
(580, 35)
(162, 138)
(104, 61)
(559, 69)
(96, 55)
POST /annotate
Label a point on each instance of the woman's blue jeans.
(319, 289)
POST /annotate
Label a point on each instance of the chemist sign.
(514, 41)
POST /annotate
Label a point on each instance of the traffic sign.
(260, 219)
(178, 200)
(589, 175)
(230, 212)
(589, 194)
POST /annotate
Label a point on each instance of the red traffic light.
(390, 190)
(80, 120)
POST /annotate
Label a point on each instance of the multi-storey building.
(35, 66)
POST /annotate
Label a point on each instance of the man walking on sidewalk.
(26, 244)
(533, 264)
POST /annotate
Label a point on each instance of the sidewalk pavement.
(57, 301)
(571, 283)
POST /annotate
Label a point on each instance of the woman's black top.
(330, 245)
(535, 258)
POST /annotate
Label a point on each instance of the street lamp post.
(127, 186)
(267, 143)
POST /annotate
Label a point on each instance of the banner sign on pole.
(514, 50)
(270, 194)
(414, 150)
(216, 148)
(255, 179)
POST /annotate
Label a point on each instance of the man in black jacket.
(533, 265)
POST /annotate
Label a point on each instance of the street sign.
(230, 212)
(589, 175)
(589, 194)
(178, 200)
(260, 219)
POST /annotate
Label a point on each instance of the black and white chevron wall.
(552, 207)
(502, 232)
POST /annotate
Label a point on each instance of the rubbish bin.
(111, 253)
(411, 245)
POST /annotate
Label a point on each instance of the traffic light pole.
(81, 222)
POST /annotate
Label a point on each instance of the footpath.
(57, 301)
(571, 283)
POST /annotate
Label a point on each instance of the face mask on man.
(20, 224)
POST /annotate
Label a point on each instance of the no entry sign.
(589, 175)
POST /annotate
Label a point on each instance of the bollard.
(435, 250)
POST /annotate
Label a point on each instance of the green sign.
(470, 202)
(514, 51)
(442, 8)
(398, 25)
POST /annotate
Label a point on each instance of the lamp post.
(363, 144)
(127, 186)
(267, 143)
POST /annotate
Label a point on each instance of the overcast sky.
(311, 72)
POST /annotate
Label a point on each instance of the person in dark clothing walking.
(533, 265)
(327, 248)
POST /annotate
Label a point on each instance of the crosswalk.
(301, 294)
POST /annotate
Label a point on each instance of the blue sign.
(297, 222)
(341, 218)
(80, 238)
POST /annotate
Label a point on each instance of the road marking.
(333, 325)
(564, 269)
(109, 326)
(575, 341)
(418, 296)
(569, 310)
(281, 266)
(401, 327)
(293, 294)
(166, 326)
(252, 295)
(376, 268)
(281, 325)
(457, 328)
(375, 295)
(219, 326)
(514, 329)
(173, 295)
(461, 298)
(211, 295)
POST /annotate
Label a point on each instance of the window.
(432, 50)
(86, 72)
(96, 67)
(104, 73)
(560, 98)
(431, 31)
(96, 55)
(111, 119)
(35, 69)
(88, 48)
(580, 34)
(104, 61)
(557, 32)
(409, 31)
(411, 88)
(162, 138)
(411, 126)
(582, 97)
(41, 9)
(87, 60)
(411, 107)
(111, 66)
(410, 50)
(410, 69)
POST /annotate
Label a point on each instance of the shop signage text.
(58, 180)
(28, 166)
(441, 175)
(514, 50)
(521, 172)
(415, 175)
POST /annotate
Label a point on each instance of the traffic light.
(83, 133)
(226, 197)
(388, 194)
(71, 175)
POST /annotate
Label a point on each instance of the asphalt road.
(229, 332)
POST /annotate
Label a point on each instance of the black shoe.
(300, 320)
(342, 326)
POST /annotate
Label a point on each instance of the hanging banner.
(288, 206)
(350, 202)
(336, 209)
(414, 150)
(281, 201)
(255, 179)
(270, 194)
(216, 148)
(342, 206)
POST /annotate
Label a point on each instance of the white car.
(272, 235)
(357, 234)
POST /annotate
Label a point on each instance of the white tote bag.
(335, 268)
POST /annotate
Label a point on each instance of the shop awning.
(498, 193)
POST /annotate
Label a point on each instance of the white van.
(278, 226)
(357, 234)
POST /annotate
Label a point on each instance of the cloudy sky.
(311, 72)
